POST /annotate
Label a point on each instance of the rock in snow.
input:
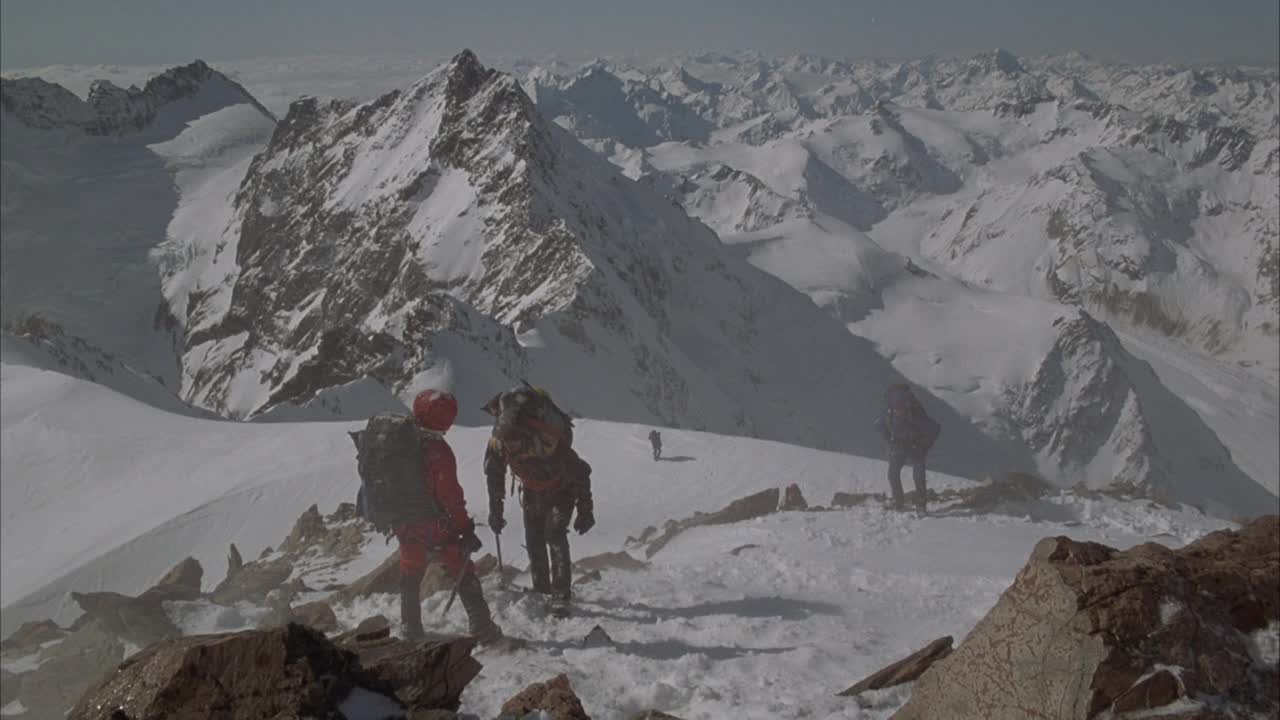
(905, 670)
(291, 671)
(1086, 629)
(554, 698)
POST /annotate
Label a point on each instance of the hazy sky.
(41, 32)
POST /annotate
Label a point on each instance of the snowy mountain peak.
(466, 76)
(112, 110)
(43, 105)
(1096, 413)
(450, 234)
(1001, 60)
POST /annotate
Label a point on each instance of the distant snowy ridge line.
(456, 212)
(109, 109)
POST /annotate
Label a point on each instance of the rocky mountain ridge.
(110, 109)
(449, 233)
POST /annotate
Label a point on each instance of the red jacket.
(442, 482)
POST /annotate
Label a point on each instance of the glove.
(496, 523)
(470, 541)
(584, 522)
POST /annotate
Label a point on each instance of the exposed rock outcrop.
(554, 698)
(295, 672)
(422, 674)
(904, 670)
(318, 615)
(253, 582)
(287, 672)
(793, 500)
(597, 638)
(182, 582)
(111, 109)
(140, 620)
(1087, 631)
(30, 636)
(762, 503)
(64, 671)
(620, 560)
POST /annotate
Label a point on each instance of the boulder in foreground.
(1087, 631)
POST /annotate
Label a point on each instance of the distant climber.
(534, 437)
(409, 486)
(909, 433)
(655, 439)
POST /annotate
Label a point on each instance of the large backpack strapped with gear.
(906, 420)
(530, 425)
(393, 471)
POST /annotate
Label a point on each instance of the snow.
(1240, 407)
(115, 201)
(1264, 645)
(928, 319)
(450, 227)
(772, 631)
(210, 159)
(109, 479)
(92, 211)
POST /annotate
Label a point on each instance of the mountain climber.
(655, 439)
(445, 534)
(535, 439)
(910, 433)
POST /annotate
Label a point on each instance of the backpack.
(530, 426)
(393, 468)
(905, 420)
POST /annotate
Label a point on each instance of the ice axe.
(462, 572)
(502, 573)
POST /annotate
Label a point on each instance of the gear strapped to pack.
(533, 435)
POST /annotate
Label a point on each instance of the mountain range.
(1075, 263)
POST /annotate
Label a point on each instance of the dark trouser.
(479, 621)
(898, 456)
(657, 451)
(415, 555)
(546, 533)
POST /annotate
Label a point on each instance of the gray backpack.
(393, 471)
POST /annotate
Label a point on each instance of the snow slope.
(101, 492)
(972, 330)
(91, 190)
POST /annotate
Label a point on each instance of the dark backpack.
(906, 421)
(393, 470)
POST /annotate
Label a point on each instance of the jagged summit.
(43, 105)
(466, 75)
(112, 110)
(451, 231)
(1002, 60)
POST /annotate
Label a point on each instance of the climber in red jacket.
(449, 539)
